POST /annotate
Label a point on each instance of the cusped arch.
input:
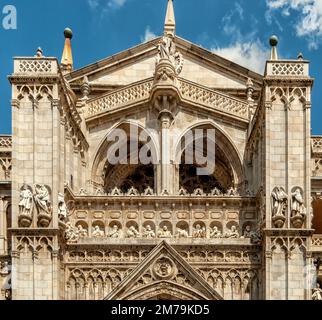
(102, 149)
(166, 290)
(223, 141)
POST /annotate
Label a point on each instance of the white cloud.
(309, 24)
(116, 3)
(106, 4)
(252, 54)
(93, 4)
(148, 35)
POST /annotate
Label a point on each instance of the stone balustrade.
(33, 65)
(287, 68)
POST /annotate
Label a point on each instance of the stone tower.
(286, 139)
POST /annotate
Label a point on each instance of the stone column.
(166, 167)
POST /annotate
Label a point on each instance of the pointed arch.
(224, 143)
(100, 158)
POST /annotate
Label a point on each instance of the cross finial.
(170, 21)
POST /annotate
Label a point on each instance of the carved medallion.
(164, 268)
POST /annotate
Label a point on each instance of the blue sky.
(237, 29)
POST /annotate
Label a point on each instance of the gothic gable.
(136, 64)
(163, 274)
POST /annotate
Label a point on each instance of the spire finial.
(67, 58)
(273, 41)
(170, 21)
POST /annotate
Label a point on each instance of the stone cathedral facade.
(74, 226)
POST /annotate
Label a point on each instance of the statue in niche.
(26, 201)
(62, 208)
(42, 199)
(182, 233)
(71, 233)
(43, 205)
(297, 203)
(317, 293)
(256, 237)
(115, 232)
(279, 203)
(5, 270)
(232, 233)
(199, 232)
(164, 233)
(279, 206)
(215, 233)
(148, 232)
(298, 210)
(248, 232)
(132, 232)
(82, 233)
(97, 232)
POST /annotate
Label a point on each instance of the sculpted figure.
(279, 202)
(71, 234)
(97, 232)
(317, 293)
(215, 233)
(247, 232)
(5, 269)
(115, 233)
(42, 199)
(26, 199)
(82, 232)
(199, 232)
(256, 237)
(148, 232)
(297, 203)
(181, 233)
(167, 50)
(62, 208)
(132, 232)
(164, 233)
(232, 233)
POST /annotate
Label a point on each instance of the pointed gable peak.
(170, 21)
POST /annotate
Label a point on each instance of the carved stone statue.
(199, 232)
(232, 233)
(62, 208)
(71, 233)
(25, 206)
(82, 233)
(97, 232)
(317, 293)
(148, 232)
(248, 232)
(181, 233)
(279, 206)
(43, 205)
(256, 237)
(4, 271)
(215, 233)
(115, 232)
(167, 51)
(298, 210)
(164, 233)
(26, 199)
(132, 232)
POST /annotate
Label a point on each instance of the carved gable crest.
(163, 273)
